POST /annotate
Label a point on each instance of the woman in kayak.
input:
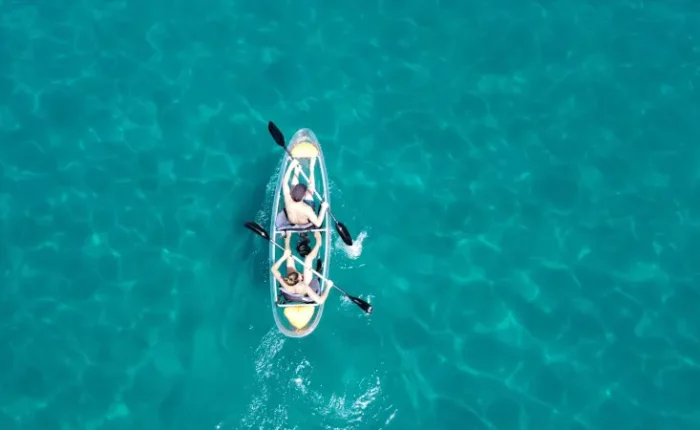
(295, 283)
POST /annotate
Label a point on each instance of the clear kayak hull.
(297, 318)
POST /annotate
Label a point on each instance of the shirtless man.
(299, 200)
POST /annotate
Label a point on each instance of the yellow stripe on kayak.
(299, 316)
(304, 150)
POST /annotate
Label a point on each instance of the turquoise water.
(525, 173)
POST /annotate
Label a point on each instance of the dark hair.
(293, 278)
(303, 247)
(298, 192)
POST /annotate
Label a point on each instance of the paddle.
(339, 226)
(260, 231)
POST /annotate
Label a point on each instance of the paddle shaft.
(314, 188)
(298, 260)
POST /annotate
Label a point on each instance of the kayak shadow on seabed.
(237, 249)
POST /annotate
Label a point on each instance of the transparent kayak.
(296, 317)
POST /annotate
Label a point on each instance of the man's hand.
(287, 253)
(324, 205)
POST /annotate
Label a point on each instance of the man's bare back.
(299, 200)
(300, 213)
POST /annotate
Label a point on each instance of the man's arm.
(285, 184)
(317, 220)
(312, 177)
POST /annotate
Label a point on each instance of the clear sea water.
(526, 173)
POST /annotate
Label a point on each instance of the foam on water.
(345, 410)
(355, 251)
(266, 368)
(284, 387)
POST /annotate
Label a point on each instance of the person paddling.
(300, 284)
(299, 199)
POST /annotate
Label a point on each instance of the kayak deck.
(296, 318)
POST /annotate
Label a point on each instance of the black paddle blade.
(362, 304)
(276, 134)
(344, 233)
(257, 229)
(319, 265)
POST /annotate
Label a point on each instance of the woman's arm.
(288, 242)
(275, 269)
(287, 255)
(278, 276)
(291, 266)
(316, 298)
(317, 246)
(308, 261)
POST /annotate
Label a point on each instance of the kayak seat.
(282, 222)
(287, 297)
